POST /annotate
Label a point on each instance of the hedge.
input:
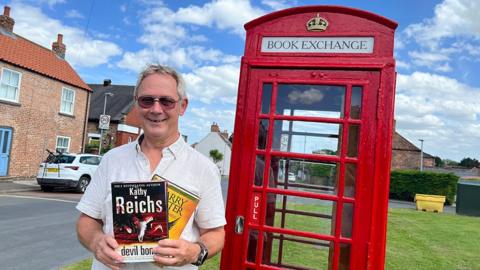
(404, 184)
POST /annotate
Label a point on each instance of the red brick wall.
(36, 122)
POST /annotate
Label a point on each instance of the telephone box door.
(305, 196)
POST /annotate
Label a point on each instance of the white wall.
(214, 141)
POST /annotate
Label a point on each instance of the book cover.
(140, 218)
(181, 205)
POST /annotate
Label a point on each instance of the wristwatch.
(203, 254)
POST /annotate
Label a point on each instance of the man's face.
(158, 121)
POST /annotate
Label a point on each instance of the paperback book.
(140, 218)
(181, 205)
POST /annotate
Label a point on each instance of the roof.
(26, 54)
(117, 105)
(401, 144)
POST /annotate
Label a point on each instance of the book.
(140, 218)
(181, 205)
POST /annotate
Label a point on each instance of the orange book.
(181, 205)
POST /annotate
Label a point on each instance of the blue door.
(5, 143)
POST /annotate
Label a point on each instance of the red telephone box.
(310, 168)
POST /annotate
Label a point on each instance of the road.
(38, 232)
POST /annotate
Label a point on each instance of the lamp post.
(421, 155)
(108, 94)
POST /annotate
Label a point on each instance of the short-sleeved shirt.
(180, 164)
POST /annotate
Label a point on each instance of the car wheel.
(46, 188)
(82, 184)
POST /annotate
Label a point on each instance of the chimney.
(225, 134)
(58, 47)
(6, 22)
(107, 82)
(214, 127)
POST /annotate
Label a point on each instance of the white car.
(291, 177)
(67, 170)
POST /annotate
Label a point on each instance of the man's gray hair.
(162, 70)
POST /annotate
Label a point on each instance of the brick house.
(43, 102)
(124, 124)
(405, 155)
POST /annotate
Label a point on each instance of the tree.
(216, 156)
(469, 163)
(439, 162)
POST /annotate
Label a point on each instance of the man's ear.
(183, 106)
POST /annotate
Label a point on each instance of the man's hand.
(103, 247)
(91, 235)
(175, 252)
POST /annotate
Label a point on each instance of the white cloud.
(454, 30)
(279, 4)
(440, 110)
(197, 121)
(213, 84)
(123, 8)
(223, 14)
(82, 50)
(74, 14)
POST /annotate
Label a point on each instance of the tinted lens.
(146, 101)
(167, 102)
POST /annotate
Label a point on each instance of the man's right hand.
(104, 250)
(91, 235)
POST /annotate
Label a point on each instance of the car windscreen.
(64, 159)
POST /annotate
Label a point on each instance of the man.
(160, 100)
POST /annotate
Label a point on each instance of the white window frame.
(64, 90)
(62, 147)
(17, 92)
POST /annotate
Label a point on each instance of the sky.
(437, 51)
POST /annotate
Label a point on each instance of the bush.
(405, 184)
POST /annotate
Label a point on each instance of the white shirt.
(180, 164)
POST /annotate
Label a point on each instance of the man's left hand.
(175, 252)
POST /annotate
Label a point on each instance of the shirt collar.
(175, 148)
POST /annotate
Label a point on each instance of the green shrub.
(405, 184)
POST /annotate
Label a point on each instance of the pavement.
(13, 185)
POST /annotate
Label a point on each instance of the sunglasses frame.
(159, 100)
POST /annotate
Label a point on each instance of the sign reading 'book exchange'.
(317, 44)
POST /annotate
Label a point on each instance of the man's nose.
(157, 107)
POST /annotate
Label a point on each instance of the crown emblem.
(317, 24)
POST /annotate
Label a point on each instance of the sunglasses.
(148, 101)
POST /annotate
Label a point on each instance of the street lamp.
(421, 155)
(108, 94)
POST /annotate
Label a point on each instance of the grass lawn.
(416, 240)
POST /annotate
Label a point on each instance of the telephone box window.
(252, 245)
(306, 137)
(266, 97)
(301, 213)
(350, 176)
(262, 134)
(310, 100)
(356, 102)
(259, 170)
(309, 176)
(353, 136)
(347, 216)
(344, 257)
(286, 249)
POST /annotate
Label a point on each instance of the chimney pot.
(107, 82)
(6, 11)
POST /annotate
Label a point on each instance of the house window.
(68, 100)
(63, 144)
(10, 84)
